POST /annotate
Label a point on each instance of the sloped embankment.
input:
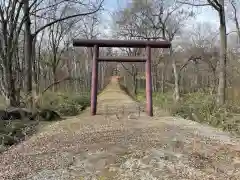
(114, 146)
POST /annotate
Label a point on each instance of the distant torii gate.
(127, 44)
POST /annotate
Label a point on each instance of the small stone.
(157, 154)
(146, 160)
(161, 165)
(100, 164)
(89, 168)
(132, 116)
(112, 169)
(157, 173)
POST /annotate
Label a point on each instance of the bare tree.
(90, 10)
(218, 5)
(235, 16)
(155, 20)
(58, 42)
(10, 29)
(201, 51)
(89, 29)
(13, 16)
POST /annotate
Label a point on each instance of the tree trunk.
(163, 78)
(155, 79)
(176, 78)
(34, 57)
(35, 68)
(214, 84)
(28, 51)
(11, 82)
(196, 79)
(102, 75)
(11, 87)
(221, 96)
(134, 76)
(54, 88)
(134, 84)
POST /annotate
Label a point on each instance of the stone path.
(123, 144)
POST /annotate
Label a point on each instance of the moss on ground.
(200, 107)
(65, 104)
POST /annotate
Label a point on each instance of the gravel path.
(123, 143)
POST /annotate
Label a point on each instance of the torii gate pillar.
(94, 85)
(149, 105)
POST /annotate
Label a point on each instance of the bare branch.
(193, 4)
(235, 18)
(126, 69)
(68, 17)
(68, 78)
(215, 4)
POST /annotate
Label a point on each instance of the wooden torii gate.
(127, 44)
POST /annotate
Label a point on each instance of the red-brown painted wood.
(122, 59)
(94, 80)
(149, 106)
(121, 43)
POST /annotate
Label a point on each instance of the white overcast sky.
(206, 13)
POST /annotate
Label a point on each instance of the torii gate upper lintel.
(121, 43)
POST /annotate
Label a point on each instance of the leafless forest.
(42, 75)
(37, 55)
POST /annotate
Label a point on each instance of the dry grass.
(111, 145)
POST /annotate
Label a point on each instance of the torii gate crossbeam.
(121, 43)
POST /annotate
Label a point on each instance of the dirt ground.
(123, 143)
